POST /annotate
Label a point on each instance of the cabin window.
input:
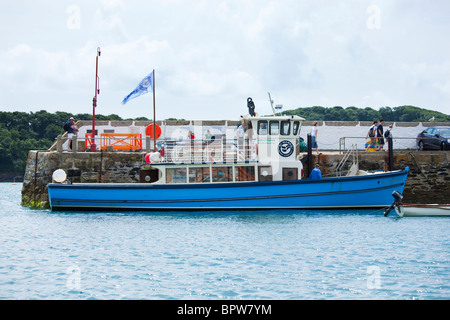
(285, 128)
(262, 127)
(176, 175)
(274, 127)
(222, 174)
(296, 128)
(198, 175)
(290, 174)
(245, 173)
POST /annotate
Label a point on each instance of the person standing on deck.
(240, 137)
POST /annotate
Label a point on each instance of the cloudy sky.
(211, 55)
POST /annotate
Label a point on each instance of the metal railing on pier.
(399, 142)
(172, 151)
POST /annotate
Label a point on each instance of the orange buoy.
(149, 131)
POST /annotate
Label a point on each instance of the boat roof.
(293, 117)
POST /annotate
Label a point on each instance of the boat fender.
(155, 157)
(59, 176)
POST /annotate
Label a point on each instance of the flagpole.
(93, 146)
(154, 114)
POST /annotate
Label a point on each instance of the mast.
(154, 114)
(93, 147)
(271, 103)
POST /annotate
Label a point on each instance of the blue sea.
(281, 255)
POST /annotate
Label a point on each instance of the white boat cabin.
(262, 149)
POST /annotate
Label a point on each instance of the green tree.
(350, 114)
(387, 114)
(21, 132)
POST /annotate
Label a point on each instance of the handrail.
(342, 140)
(353, 152)
(207, 151)
(121, 141)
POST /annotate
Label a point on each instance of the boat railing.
(208, 151)
(174, 151)
(355, 162)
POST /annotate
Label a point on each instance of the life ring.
(149, 131)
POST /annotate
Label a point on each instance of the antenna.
(271, 103)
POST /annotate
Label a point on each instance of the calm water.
(235, 255)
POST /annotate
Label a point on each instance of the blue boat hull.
(373, 190)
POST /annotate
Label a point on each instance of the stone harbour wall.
(86, 167)
(429, 177)
(428, 180)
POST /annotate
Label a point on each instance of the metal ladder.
(355, 162)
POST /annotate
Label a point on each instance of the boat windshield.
(274, 127)
(296, 128)
(262, 127)
(285, 128)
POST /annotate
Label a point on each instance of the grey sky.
(209, 55)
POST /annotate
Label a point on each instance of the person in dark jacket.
(380, 135)
(70, 132)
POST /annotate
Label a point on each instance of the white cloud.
(209, 56)
(111, 4)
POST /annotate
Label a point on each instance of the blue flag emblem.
(143, 87)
